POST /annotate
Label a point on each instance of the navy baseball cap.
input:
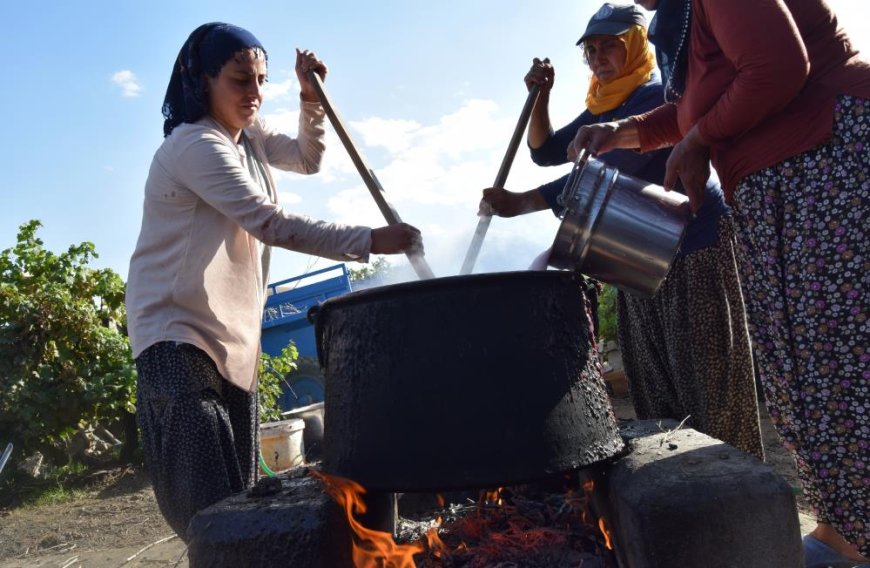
(613, 19)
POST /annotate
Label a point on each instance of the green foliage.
(378, 267)
(59, 485)
(55, 495)
(64, 357)
(271, 373)
(55, 485)
(607, 313)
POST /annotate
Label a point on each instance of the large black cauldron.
(461, 382)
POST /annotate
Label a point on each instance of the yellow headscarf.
(639, 65)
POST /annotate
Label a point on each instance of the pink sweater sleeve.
(209, 167)
(304, 153)
(760, 39)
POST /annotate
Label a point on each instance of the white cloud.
(445, 163)
(288, 198)
(128, 82)
(283, 90)
(433, 175)
(283, 120)
(394, 135)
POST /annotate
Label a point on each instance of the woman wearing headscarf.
(774, 93)
(670, 373)
(197, 278)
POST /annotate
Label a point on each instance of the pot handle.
(316, 318)
(572, 182)
(312, 314)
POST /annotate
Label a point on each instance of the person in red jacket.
(773, 93)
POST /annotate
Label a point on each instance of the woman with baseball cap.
(686, 351)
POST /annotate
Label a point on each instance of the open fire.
(520, 526)
(715, 494)
(371, 548)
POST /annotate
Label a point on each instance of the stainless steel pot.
(619, 229)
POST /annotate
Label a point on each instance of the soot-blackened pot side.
(460, 382)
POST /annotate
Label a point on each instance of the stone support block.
(681, 499)
(287, 520)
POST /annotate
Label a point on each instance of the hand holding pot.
(604, 137)
(395, 239)
(690, 162)
(504, 203)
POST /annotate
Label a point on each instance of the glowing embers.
(529, 526)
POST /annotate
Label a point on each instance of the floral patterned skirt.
(687, 351)
(805, 266)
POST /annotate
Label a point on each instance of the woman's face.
(236, 93)
(647, 4)
(606, 56)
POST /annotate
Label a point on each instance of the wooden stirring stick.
(500, 179)
(418, 262)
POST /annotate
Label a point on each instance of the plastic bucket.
(312, 437)
(281, 443)
(619, 229)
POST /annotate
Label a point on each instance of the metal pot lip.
(537, 277)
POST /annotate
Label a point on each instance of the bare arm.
(542, 74)
(504, 203)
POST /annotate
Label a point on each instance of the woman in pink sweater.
(772, 92)
(197, 278)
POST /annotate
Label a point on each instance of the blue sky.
(431, 92)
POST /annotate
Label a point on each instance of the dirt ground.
(116, 520)
(119, 518)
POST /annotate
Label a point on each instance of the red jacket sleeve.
(658, 128)
(762, 42)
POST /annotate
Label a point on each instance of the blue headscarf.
(669, 32)
(203, 54)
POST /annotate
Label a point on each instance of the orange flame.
(588, 487)
(493, 497)
(603, 526)
(436, 545)
(371, 549)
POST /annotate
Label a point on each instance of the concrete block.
(681, 499)
(287, 520)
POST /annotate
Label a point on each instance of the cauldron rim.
(376, 292)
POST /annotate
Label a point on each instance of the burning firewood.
(531, 527)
